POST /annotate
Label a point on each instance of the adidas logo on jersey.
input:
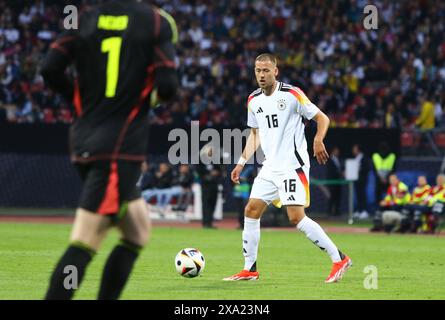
(260, 110)
(291, 198)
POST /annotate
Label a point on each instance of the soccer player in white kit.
(275, 115)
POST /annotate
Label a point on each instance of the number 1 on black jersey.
(112, 46)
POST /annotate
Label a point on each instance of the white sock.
(251, 240)
(317, 235)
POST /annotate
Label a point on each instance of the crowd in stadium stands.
(386, 78)
(161, 183)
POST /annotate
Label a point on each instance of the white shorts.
(289, 187)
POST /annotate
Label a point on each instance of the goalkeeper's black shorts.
(108, 185)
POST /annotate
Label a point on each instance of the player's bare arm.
(252, 144)
(320, 152)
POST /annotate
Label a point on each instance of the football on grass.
(189, 262)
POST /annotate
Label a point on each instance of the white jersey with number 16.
(279, 119)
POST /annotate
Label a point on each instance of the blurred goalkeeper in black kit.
(123, 53)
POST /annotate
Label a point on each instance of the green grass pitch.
(409, 266)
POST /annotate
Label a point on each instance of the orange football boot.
(244, 275)
(339, 269)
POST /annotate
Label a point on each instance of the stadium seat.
(439, 139)
(407, 139)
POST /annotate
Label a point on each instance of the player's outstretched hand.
(236, 173)
(320, 152)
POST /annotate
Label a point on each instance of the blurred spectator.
(334, 172)
(417, 207)
(183, 187)
(426, 122)
(392, 117)
(46, 34)
(435, 207)
(147, 179)
(211, 176)
(163, 179)
(384, 164)
(164, 185)
(360, 184)
(426, 119)
(397, 196)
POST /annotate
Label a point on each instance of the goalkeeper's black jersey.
(116, 50)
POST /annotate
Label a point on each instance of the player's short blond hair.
(267, 57)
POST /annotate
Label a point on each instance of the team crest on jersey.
(281, 104)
